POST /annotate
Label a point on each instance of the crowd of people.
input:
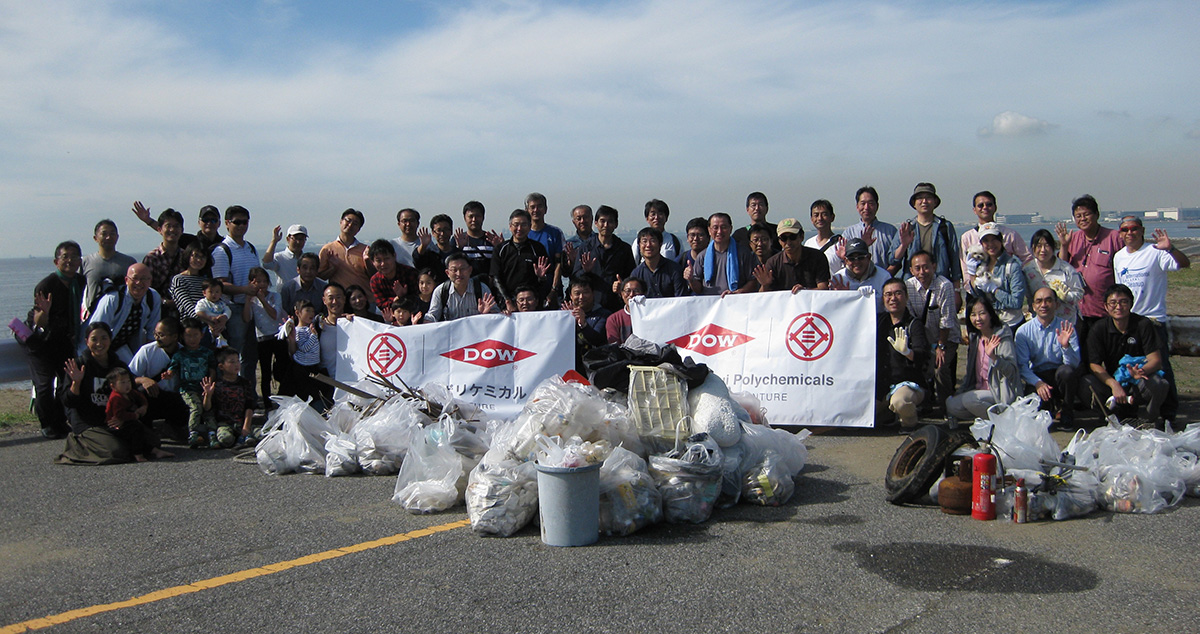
(196, 333)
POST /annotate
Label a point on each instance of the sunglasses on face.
(788, 237)
(240, 222)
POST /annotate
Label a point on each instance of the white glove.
(972, 267)
(986, 285)
(899, 341)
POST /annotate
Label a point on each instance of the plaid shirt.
(381, 287)
(163, 267)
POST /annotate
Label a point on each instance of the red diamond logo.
(488, 354)
(712, 339)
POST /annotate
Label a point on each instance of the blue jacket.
(945, 250)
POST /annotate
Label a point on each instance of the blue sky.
(298, 110)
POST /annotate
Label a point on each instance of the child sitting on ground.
(124, 412)
(231, 400)
(191, 364)
(213, 311)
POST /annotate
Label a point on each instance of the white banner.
(809, 357)
(492, 361)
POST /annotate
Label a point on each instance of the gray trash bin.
(569, 504)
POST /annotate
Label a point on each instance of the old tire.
(919, 460)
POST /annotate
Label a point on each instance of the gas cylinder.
(983, 501)
(954, 492)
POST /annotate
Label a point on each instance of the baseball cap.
(989, 229)
(294, 229)
(856, 246)
(789, 225)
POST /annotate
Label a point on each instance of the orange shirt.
(349, 264)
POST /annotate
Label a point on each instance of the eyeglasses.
(788, 237)
(1118, 303)
(209, 220)
(856, 258)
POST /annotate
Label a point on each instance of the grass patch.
(1189, 277)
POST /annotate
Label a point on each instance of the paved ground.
(837, 558)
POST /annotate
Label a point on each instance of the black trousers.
(44, 370)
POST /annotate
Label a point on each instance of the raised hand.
(494, 238)
(417, 317)
(1063, 231)
(425, 236)
(868, 234)
(840, 249)
(74, 371)
(990, 344)
(617, 285)
(1064, 332)
(764, 276)
(837, 284)
(1161, 240)
(400, 289)
(569, 253)
(542, 266)
(276, 234)
(587, 262)
(208, 385)
(899, 341)
(41, 302)
(460, 237)
(486, 303)
(141, 211)
(907, 233)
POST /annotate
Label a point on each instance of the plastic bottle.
(1020, 509)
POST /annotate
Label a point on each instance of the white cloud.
(1009, 123)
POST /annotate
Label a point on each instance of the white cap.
(294, 229)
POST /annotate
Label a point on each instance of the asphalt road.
(837, 558)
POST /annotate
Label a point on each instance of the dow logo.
(488, 354)
(712, 339)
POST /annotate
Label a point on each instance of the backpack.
(107, 287)
(229, 254)
(444, 294)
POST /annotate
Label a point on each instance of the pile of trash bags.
(717, 458)
(1116, 467)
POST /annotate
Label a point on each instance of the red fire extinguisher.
(983, 505)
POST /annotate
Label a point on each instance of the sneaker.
(247, 441)
(196, 441)
(51, 433)
(213, 443)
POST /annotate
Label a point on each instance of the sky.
(298, 110)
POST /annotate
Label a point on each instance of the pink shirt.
(983, 365)
(1094, 261)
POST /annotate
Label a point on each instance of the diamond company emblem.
(386, 354)
(488, 354)
(809, 337)
(712, 339)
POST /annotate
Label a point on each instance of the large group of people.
(182, 335)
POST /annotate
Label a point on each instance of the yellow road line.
(216, 582)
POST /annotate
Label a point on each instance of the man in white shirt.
(461, 295)
(821, 213)
(409, 221)
(861, 272)
(1143, 267)
(285, 262)
(232, 260)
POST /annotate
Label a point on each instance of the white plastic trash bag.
(501, 496)
(430, 471)
(629, 501)
(1021, 433)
